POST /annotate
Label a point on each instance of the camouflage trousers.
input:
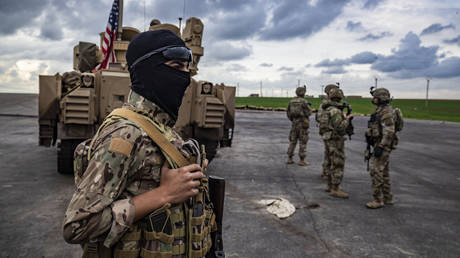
(334, 161)
(380, 175)
(300, 134)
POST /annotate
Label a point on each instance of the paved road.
(424, 222)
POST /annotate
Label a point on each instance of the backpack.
(296, 108)
(398, 119)
(323, 119)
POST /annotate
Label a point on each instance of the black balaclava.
(151, 78)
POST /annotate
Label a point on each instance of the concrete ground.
(424, 222)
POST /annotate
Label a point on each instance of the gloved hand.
(378, 151)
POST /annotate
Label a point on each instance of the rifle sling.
(153, 133)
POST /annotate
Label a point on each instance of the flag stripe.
(109, 38)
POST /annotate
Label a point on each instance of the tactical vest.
(374, 132)
(181, 230)
(323, 120)
(297, 108)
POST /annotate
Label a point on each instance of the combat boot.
(290, 161)
(303, 163)
(388, 201)
(339, 193)
(374, 204)
(328, 188)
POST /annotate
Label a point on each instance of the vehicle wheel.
(65, 155)
(211, 148)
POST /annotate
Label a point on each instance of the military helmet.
(382, 94)
(336, 93)
(329, 87)
(154, 22)
(300, 91)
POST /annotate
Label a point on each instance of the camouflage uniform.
(298, 112)
(101, 213)
(323, 125)
(334, 141)
(382, 131)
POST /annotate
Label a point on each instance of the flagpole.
(120, 19)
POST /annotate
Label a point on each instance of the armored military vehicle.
(74, 104)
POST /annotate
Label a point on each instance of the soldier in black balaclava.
(130, 191)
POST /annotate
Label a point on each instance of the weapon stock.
(350, 128)
(368, 152)
(217, 194)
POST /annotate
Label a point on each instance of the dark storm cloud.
(436, 27)
(51, 28)
(363, 58)
(266, 65)
(17, 14)
(354, 26)
(294, 18)
(453, 41)
(236, 25)
(335, 62)
(335, 70)
(410, 60)
(371, 36)
(285, 68)
(449, 67)
(360, 58)
(410, 56)
(223, 51)
(371, 4)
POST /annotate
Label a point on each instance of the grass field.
(446, 110)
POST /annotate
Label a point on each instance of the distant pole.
(261, 89)
(180, 23)
(273, 93)
(375, 82)
(427, 88)
(120, 20)
(298, 83)
(322, 90)
(144, 15)
(237, 89)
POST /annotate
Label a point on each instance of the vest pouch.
(327, 135)
(158, 234)
(306, 123)
(80, 160)
(395, 141)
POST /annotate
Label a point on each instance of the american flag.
(109, 37)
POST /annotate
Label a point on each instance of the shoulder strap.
(153, 133)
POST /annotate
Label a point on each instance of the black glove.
(378, 151)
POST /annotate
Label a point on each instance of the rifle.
(370, 142)
(368, 153)
(217, 194)
(350, 128)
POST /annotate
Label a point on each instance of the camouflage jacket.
(382, 127)
(124, 163)
(298, 109)
(337, 123)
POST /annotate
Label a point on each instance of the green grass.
(446, 110)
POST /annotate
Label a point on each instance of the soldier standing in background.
(298, 112)
(334, 142)
(381, 135)
(322, 119)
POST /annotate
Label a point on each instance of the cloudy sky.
(278, 43)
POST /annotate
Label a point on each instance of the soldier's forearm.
(148, 202)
